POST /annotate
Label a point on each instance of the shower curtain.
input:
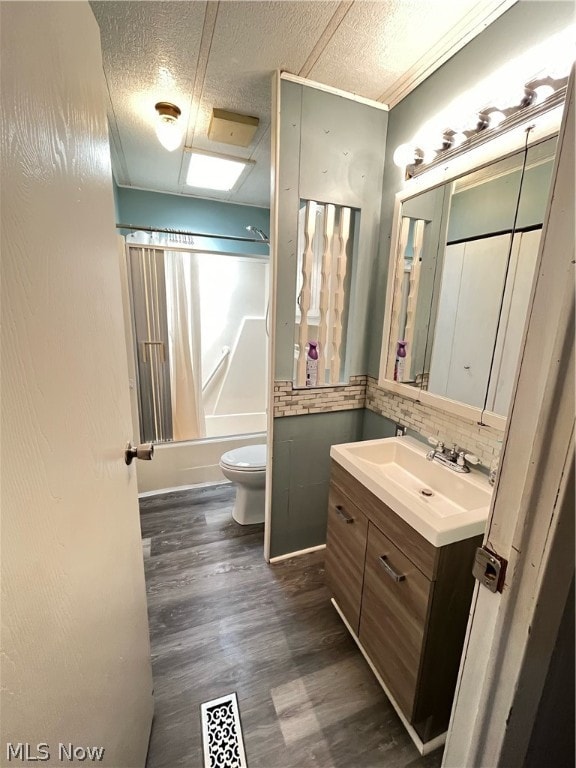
(183, 310)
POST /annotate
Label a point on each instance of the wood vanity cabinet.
(406, 600)
(345, 551)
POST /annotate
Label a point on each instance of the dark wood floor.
(222, 620)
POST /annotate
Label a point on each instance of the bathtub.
(235, 424)
(181, 465)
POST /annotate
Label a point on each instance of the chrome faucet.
(454, 458)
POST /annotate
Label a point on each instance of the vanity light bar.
(491, 121)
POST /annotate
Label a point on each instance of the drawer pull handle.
(389, 570)
(340, 512)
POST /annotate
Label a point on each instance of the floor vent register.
(222, 733)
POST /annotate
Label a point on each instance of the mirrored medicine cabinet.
(461, 268)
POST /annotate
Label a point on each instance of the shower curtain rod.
(193, 234)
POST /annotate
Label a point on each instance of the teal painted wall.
(156, 209)
(375, 426)
(331, 150)
(115, 194)
(521, 27)
(490, 207)
(301, 475)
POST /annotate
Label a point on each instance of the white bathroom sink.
(444, 506)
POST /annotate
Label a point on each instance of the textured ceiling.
(201, 55)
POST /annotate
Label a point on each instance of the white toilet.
(246, 467)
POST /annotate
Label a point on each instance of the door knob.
(144, 451)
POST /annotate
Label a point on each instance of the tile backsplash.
(340, 397)
(364, 392)
(485, 442)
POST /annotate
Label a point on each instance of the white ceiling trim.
(210, 16)
(116, 148)
(473, 23)
(325, 37)
(336, 91)
(264, 138)
(189, 194)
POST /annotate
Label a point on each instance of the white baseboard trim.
(423, 747)
(290, 555)
(146, 494)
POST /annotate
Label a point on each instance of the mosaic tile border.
(364, 392)
(483, 441)
(341, 397)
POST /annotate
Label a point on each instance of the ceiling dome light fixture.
(168, 131)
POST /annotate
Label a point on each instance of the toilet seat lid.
(247, 458)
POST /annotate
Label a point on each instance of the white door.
(75, 647)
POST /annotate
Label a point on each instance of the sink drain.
(427, 492)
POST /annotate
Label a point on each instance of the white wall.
(232, 289)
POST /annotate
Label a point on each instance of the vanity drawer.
(393, 618)
(423, 554)
(345, 550)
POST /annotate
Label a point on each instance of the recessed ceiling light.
(209, 171)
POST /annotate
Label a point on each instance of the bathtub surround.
(231, 385)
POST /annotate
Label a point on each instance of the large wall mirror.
(460, 278)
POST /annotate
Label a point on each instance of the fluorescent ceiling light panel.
(207, 171)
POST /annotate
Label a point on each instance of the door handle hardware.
(389, 570)
(342, 514)
(144, 451)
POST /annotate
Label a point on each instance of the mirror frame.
(501, 146)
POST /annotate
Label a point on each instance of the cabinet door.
(514, 317)
(345, 551)
(394, 611)
(481, 286)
